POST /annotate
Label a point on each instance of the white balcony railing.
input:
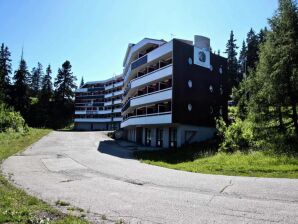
(119, 92)
(154, 97)
(93, 111)
(109, 95)
(162, 118)
(92, 119)
(118, 110)
(118, 101)
(151, 77)
(81, 90)
(151, 56)
(117, 119)
(109, 103)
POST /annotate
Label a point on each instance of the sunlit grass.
(258, 164)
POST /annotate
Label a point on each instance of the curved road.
(91, 171)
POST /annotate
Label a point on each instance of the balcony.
(152, 76)
(109, 95)
(154, 97)
(92, 119)
(117, 119)
(118, 84)
(93, 111)
(151, 56)
(158, 118)
(109, 103)
(119, 101)
(118, 110)
(119, 92)
(81, 90)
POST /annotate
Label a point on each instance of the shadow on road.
(112, 148)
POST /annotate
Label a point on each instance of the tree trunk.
(294, 117)
(281, 123)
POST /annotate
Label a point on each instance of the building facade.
(98, 105)
(173, 91)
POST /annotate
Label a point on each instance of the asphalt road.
(91, 171)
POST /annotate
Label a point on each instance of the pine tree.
(242, 61)
(65, 83)
(273, 87)
(21, 100)
(262, 35)
(35, 82)
(232, 66)
(5, 71)
(46, 86)
(284, 38)
(252, 49)
(82, 82)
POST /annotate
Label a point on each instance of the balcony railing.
(156, 118)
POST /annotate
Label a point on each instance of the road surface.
(93, 172)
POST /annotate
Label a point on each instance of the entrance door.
(139, 135)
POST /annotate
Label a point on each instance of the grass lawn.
(15, 205)
(256, 164)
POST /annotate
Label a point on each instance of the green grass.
(256, 164)
(15, 205)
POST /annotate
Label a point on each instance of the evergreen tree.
(252, 49)
(46, 86)
(242, 61)
(35, 82)
(82, 82)
(21, 100)
(262, 35)
(65, 83)
(232, 66)
(284, 39)
(273, 87)
(5, 71)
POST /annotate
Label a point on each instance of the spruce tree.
(35, 82)
(46, 86)
(82, 81)
(65, 83)
(21, 100)
(5, 71)
(284, 38)
(232, 65)
(242, 61)
(252, 49)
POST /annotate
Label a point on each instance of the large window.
(173, 137)
(147, 136)
(159, 136)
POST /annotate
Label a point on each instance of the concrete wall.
(200, 134)
(183, 134)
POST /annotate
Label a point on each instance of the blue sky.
(94, 34)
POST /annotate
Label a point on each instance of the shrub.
(237, 136)
(11, 120)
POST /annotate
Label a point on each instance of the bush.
(11, 120)
(237, 136)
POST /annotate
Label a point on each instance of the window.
(159, 136)
(147, 136)
(173, 137)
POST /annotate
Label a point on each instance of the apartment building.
(98, 105)
(173, 91)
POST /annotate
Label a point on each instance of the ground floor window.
(147, 136)
(159, 136)
(173, 137)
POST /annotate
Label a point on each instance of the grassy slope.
(257, 164)
(15, 205)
